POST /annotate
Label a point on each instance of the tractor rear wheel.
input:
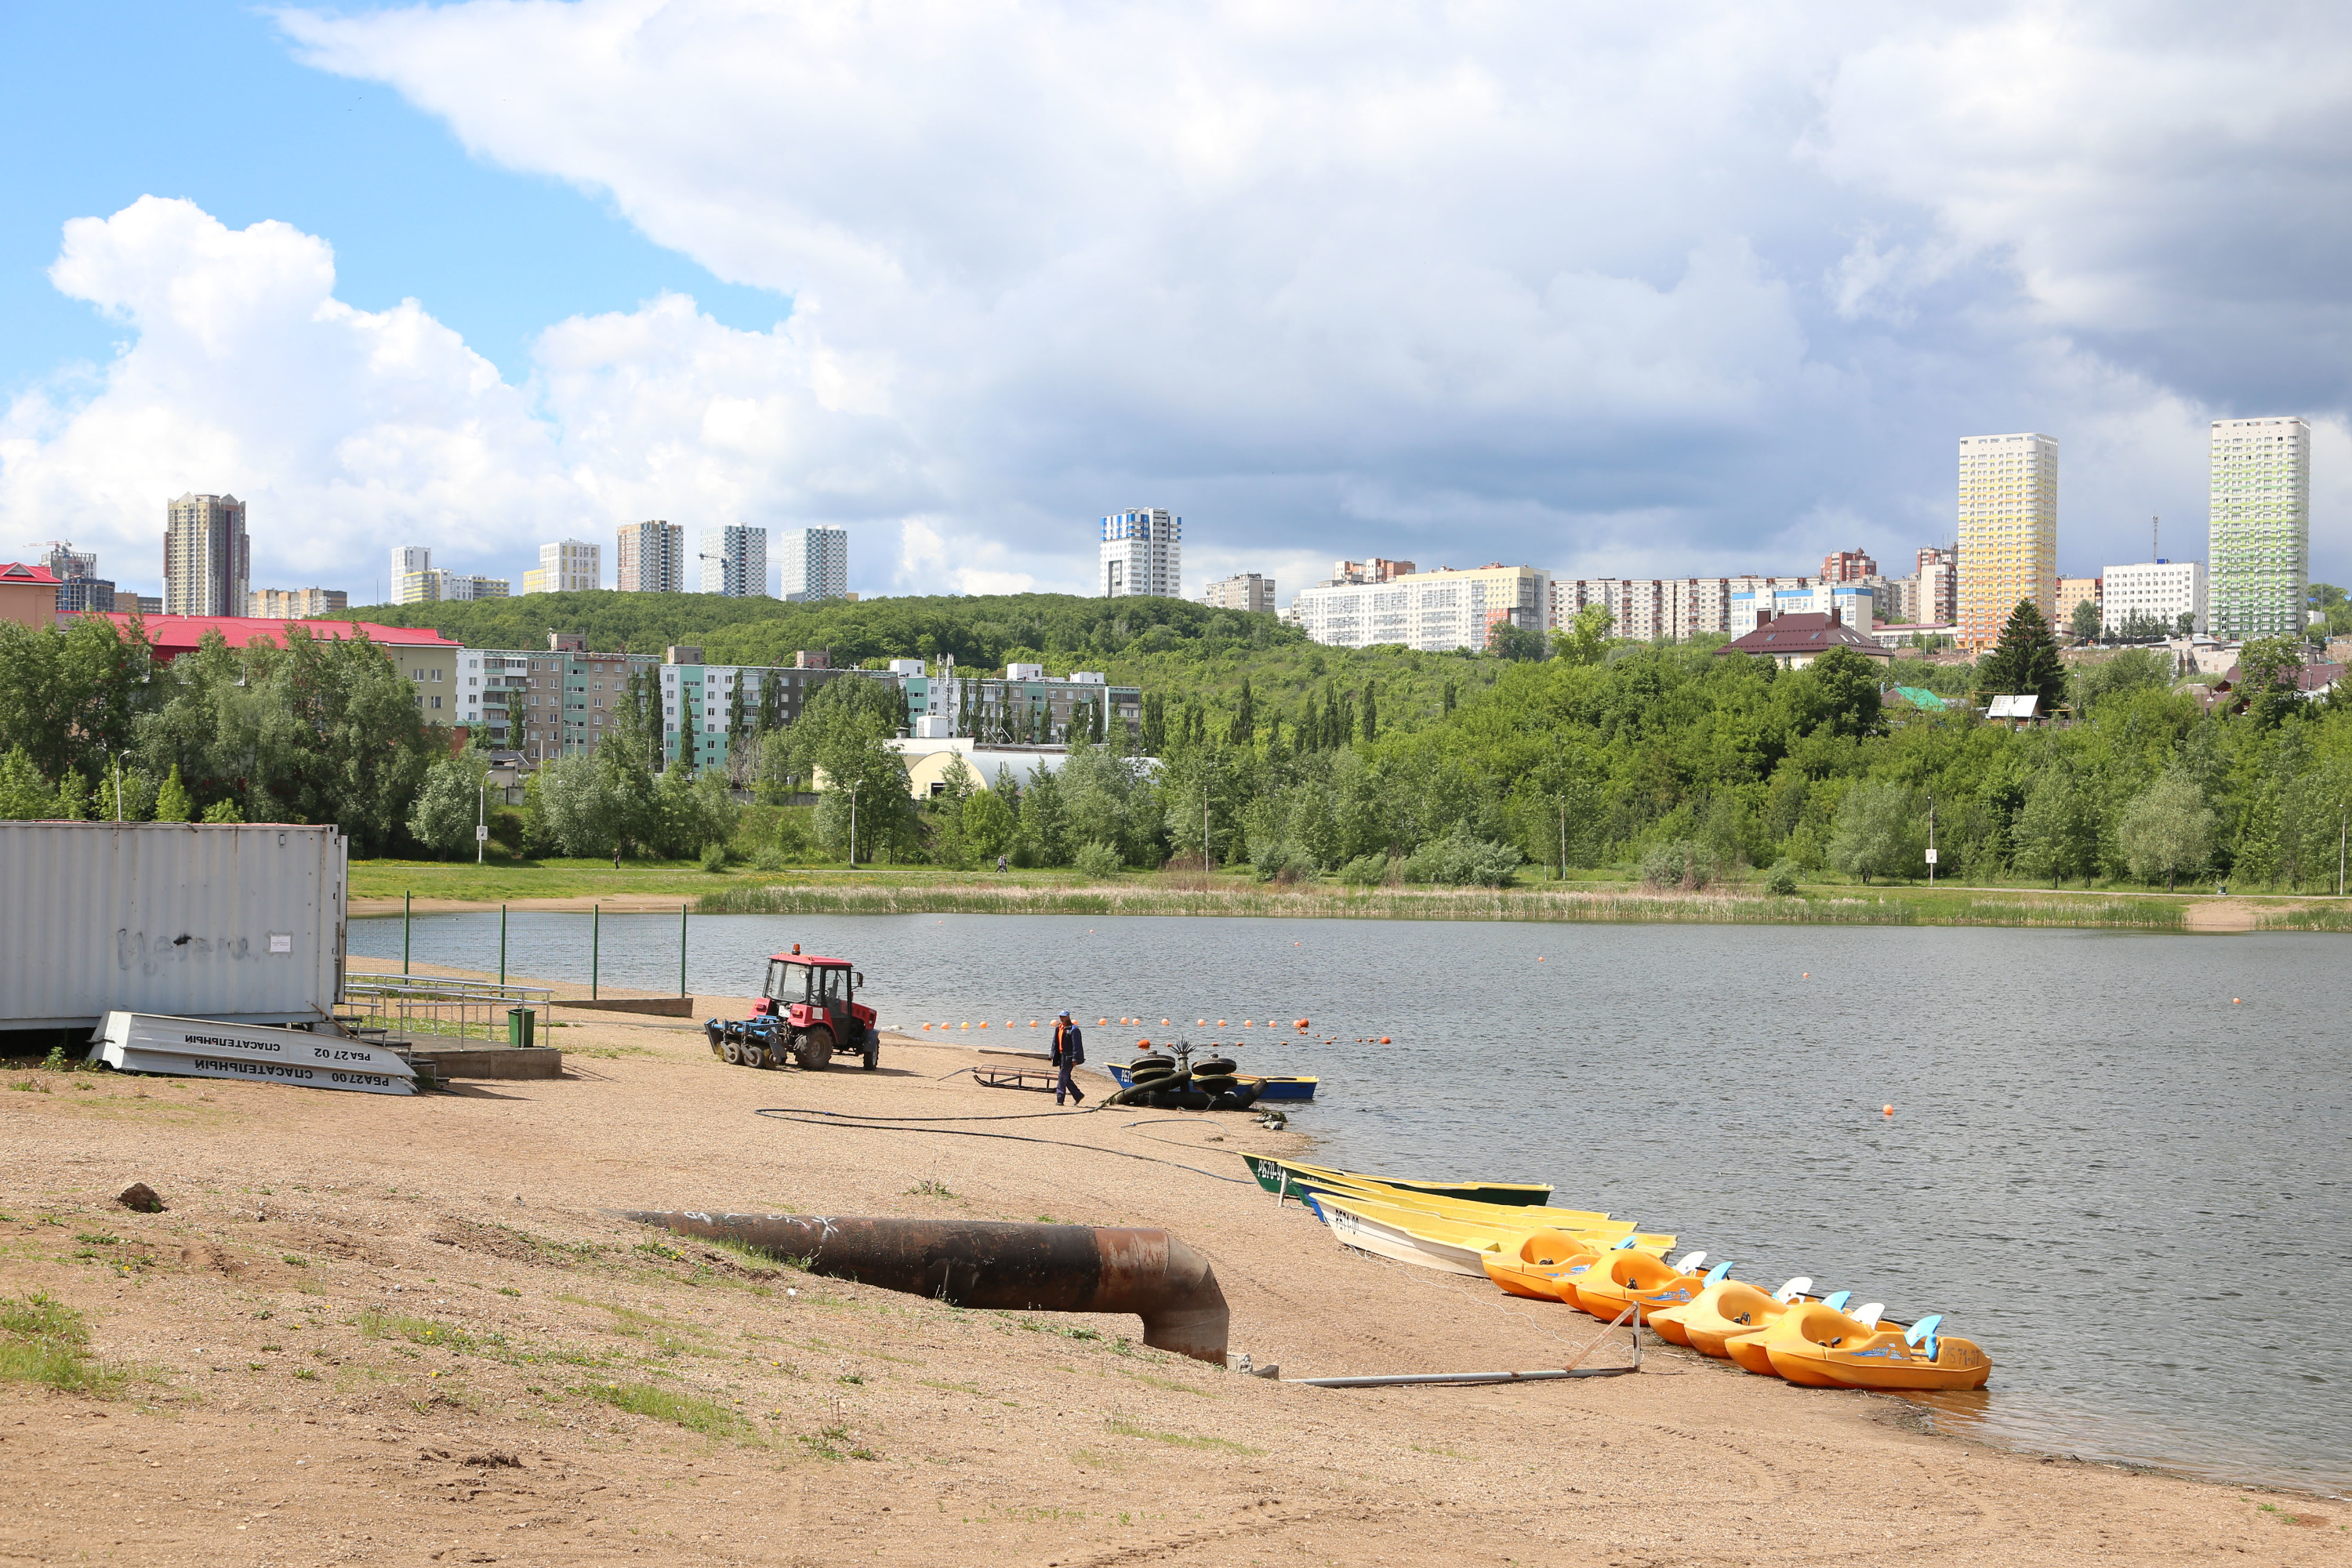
(733, 1051)
(754, 1055)
(873, 1053)
(816, 1049)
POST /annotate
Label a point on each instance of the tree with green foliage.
(2057, 833)
(1508, 639)
(2024, 662)
(442, 816)
(2268, 669)
(172, 802)
(1585, 640)
(2167, 831)
(2132, 669)
(842, 744)
(2083, 621)
(1881, 832)
(25, 795)
(72, 697)
(223, 810)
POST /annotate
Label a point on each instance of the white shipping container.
(239, 923)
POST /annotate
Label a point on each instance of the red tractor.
(806, 1011)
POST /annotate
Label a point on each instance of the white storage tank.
(241, 923)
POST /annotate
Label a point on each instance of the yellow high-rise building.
(2008, 531)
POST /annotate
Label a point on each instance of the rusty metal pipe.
(981, 1263)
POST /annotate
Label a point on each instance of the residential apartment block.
(1142, 552)
(567, 566)
(295, 603)
(2258, 548)
(1431, 612)
(1851, 603)
(1024, 707)
(207, 559)
(735, 561)
(2161, 591)
(2067, 593)
(811, 563)
(1938, 596)
(2009, 530)
(1846, 565)
(416, 581)
(700, 712)
(80, 589)
(1243, 591)
(650, 558)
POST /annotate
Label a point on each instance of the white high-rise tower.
(1142, 552)
(735, 561)
(813, 564)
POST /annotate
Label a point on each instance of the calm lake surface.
(2128, 1187)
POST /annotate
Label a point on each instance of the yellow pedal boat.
(1642, 1280)
(1668, 1320)
(1539, 1265)
(1515, 1215)
(1725, 1308)
(1752, 1349)
(1833, 1350)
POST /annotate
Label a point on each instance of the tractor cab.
(814, 1001)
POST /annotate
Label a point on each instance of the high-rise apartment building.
(735, 561)
(1242, 591)
(2008, 531)
(207, 560)
(294, 603)
(2257, 542)
(811, 563)
(80, 590)
(651, 558)
(568, 566)
(1847, 565)
(1142, 552)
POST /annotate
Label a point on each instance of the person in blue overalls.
(1069, 1051)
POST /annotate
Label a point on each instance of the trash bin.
(519, 1026)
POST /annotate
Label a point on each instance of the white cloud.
(1579, 285)
(346, 431)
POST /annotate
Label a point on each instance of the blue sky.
(1605, 292)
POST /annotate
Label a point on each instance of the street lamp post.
(481, 817)
(1931, 841)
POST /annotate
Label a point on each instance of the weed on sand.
(1126, 1429)
(692, 1411)
(44, 1340)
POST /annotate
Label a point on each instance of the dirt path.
(406, 1331)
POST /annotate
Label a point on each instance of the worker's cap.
(1066, 1012)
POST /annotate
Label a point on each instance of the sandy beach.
(378, 1329)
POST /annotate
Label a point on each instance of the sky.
(1604, 290)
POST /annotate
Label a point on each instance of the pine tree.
(2025, 662)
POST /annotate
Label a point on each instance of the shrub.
(770, 859)
(1459, 860)
(1365, 871)
(1781, 878)
(1099, 861)
(1677, 863)
(714, 856)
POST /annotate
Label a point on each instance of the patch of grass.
(1126, 1429)
(376, 1324)
(306, 1374)
(855, 1379)
(1169, 1384)
(509, 1290)
(610, 1053)
(690, 1411)
(97, 1239)
(834, 1444)
(662, 1250)
(951, 1387)
(44, 1340)
(1094, 1459)
(927, 1188)
(295, 1260)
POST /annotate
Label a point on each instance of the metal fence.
(409, 1006)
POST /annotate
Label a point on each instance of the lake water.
(2119, 1162)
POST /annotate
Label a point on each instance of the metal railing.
(414, 1005)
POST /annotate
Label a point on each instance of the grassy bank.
(1171, 897)
(918, 889)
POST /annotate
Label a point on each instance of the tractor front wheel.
(873, 1052)
(816, 1050)
(733, 1052)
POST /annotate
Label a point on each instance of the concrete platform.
(490, 1061)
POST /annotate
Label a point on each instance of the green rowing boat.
(1287, 1176)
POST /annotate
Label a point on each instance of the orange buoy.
(1246, 1023)
(927, 1025)
(983, 1023)
(1220, 1023)
(1888, 1111)
(1807, 974)
(2233, 1002)
(1384, 1039)
(1202, 1022)
(1100, 1021)
(1163, 1023)
(1033, 1023)
(967, 1023)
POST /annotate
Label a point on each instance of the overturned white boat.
(204, 1047)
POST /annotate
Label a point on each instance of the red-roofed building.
(423, 656)
(1794, 641)
(28, 595)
